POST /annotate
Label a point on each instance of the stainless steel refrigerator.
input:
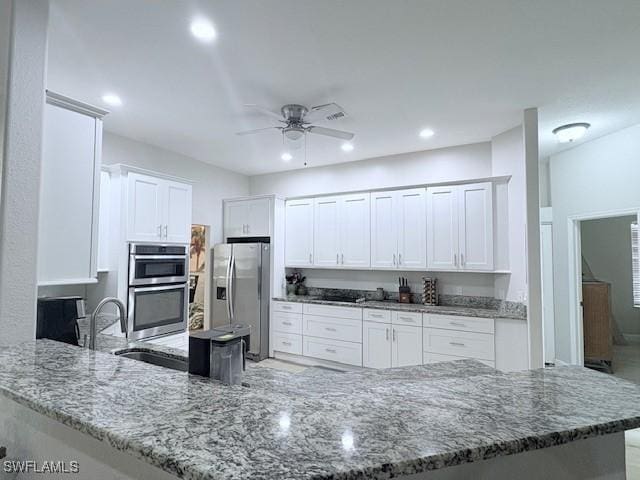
(241, 286)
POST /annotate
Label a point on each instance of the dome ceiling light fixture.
(571, 132)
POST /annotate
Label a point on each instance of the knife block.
(404, 295)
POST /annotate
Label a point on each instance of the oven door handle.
(158, 288)
(160, 257)
(232, 273)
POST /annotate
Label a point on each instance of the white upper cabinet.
(69, 192)
(342, 231)
(178, 212)
(158, 210)
(476, 226)
(299, 233)
(247, 217)
(384, 234)
(355, 230)
(144, 219)
(460, 227)
(326, 232)
(376, 345)
(104, 221)
(398, 229)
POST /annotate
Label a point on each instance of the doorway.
(606, 310)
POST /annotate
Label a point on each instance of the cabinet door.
(384, 244)
(326, 232)
(177, 207)
(259, 218)
(376, 345)
(406, 346)
(355, 230)
(236, 217)
(442, 228)
(298, 242)
(412, 230)
(69, 189)
(144, 216)
(104, 221)
(475, 213)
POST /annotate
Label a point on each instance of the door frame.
(574, 261)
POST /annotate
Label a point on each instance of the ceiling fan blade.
(330, 132)
(264, 111)
(328, 112)
(257, 130)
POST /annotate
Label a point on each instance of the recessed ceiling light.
(426, 133)
(347, 147)
(571, 132)
(203, 30)
(286, 156)
(112, 99)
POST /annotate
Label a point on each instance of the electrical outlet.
(458, 290)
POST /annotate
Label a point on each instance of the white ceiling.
(465, 68)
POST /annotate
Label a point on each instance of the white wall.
(596, 177)
(21, 170)
(210, 184)
(430, 166)
(507, 152)
(606, 246)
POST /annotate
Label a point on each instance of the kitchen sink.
(155, 358)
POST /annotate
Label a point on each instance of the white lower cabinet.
(287, 343)
(332, 350)
(376, 345)
(447, 337)
(385, 345)
(406, 346)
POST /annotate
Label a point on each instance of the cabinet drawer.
(454, 322)
(334, 350)
(287, 322)
(407, 318)
(290, 307)
(460, 344)
(436, 358)
(374, 315)
(332, 311)
(288, 343)
(335, 328)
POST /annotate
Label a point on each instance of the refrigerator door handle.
(230, 298)
(228, 286)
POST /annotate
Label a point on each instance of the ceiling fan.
(297, 121)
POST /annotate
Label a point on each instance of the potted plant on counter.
(295, 284)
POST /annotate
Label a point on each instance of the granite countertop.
(366, 424)
(407, 307)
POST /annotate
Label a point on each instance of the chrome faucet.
(122, 312)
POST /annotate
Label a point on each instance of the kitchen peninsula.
(439, 421)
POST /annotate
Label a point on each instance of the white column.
(534, 283)
(21, 168)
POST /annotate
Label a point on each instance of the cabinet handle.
(337, 259)
(408, 319)
(394, 334)
(458, 324)
(394, 259)
(343, 259)
(166, 231)
(376, 315)
(455, 259)
(399, 259)
(286, 307)
(310, 258)
(286, 343)
(330, 329)
(248, 228)
(286, 323)
(462, 259)
(160, 231)
(330, 350)
(457, 344)
(387, 330)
